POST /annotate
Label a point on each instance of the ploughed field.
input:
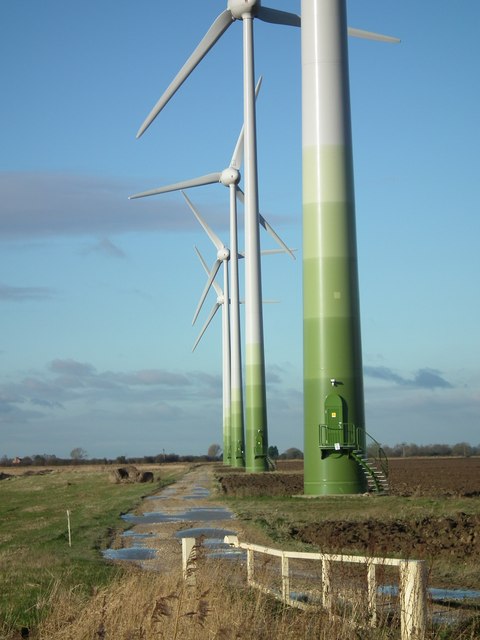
(407, 477)
(432, 512)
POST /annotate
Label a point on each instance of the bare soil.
(459, 477)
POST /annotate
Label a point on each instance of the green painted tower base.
(336, 473)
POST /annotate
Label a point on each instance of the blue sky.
(97, 292)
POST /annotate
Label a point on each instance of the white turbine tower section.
(222, 301)
(256, 409)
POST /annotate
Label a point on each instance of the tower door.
(335, 419)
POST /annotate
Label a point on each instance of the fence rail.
(412, 581)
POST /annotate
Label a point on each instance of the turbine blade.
(202, 260)
(370, 35)
(278, 17)
(218, 28)
(216, 286)
(214, 310)
(274, 235)
(213, 273)
(210, 178)
(240, 195)
(291, 19)
(210, 233)
(269, 252)
(237, 157)
(268, 228)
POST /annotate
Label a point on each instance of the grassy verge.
(35, 556)
(452, 558)
(352, 508)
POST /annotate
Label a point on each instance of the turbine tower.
(256, 405)
(334, 427)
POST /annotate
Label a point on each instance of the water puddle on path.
(147, 547)
(196, 514)
(438, 595)
(213, 542)
(130, 553)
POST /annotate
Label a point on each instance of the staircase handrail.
(381, 457)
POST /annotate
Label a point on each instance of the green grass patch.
(35, 556)
(347, 508)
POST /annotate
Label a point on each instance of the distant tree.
(440, 449)
(214, 451)
(462, 449)
(292, 454)
(121, 460)
(273, 452)
(78, 454)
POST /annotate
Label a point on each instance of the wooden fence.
(411, 579)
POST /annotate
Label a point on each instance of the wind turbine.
(222, 301)
(256, 406)
(233, 438)
(229, 177)
(232, 359)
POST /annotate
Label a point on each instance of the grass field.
(35, 556)
(58, 591)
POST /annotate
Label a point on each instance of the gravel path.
(189, 503)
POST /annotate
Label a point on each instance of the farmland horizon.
(79, 455)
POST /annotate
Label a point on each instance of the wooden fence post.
(250, 566)
(326, 584)
(413, 599)
(372, 594)
(188, 566)
(69, 529)
(285, 579)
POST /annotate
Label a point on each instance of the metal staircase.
(347, 437)
(376, 477)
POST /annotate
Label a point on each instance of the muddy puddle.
(195, 514)
(184, 510)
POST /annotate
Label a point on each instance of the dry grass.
(143, 605)
(219, 606)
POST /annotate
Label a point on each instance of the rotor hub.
(223, 254)
(230, 176)
(239, 7)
